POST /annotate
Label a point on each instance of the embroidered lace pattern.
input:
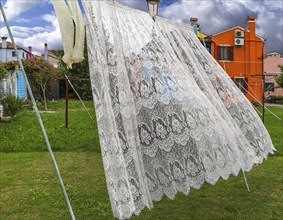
(169, 117)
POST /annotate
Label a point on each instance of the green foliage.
(11, 104)
(3, 73)
(277, 99)
(78, 71)
(40, 73)
(279, 80)
(6, 67)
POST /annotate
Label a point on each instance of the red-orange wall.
(247, 59)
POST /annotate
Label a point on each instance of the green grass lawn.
(30, 189)
(60, 105)
(23, 134)
(275, 127)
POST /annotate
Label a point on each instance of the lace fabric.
(169, 117)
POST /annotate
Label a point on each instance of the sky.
(33, 22)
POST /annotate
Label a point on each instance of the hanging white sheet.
(169, 117)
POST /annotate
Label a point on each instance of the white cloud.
(23, 20)
(14, 8)
(51, 35)
(38, 35)
(49, 17)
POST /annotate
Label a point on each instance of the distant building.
(52, 56)
(53, 59)
(14, 83)
(272, 61)
(7, 52)
(239, 51)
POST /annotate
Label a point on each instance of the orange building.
(240, 53)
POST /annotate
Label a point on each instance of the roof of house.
(220, 32)
(58, 53)
(10, 46)
(272, 52)
(236, 27)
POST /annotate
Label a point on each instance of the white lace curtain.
(169, 117)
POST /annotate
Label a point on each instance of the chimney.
(4, 52)
(4, 42)
(194, 24)
(251, 25)
(30, 52)
(45, 51)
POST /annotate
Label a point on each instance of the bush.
(11, 105)
(275, 99)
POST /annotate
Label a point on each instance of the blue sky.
(34, 23)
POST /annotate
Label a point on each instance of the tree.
(3, 73)
(4, 70)
(279, 78)
(39, 72)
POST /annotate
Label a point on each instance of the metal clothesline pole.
(246, 182)
(38, 116)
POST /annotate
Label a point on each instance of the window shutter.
(231, 53)
(218, 53)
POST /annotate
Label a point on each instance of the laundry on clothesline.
(169, 117)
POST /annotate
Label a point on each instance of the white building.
(14, 83)
(7, 52)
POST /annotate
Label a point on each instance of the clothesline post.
(38, 116)
(263, 97)
(67, 103)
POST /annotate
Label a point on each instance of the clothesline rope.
(79, 97)
(260, 103)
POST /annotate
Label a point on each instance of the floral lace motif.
(169, 118)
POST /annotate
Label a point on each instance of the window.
(269, 87)
(14, 54)
(23, 55)
(242, 83)
(225, 53)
